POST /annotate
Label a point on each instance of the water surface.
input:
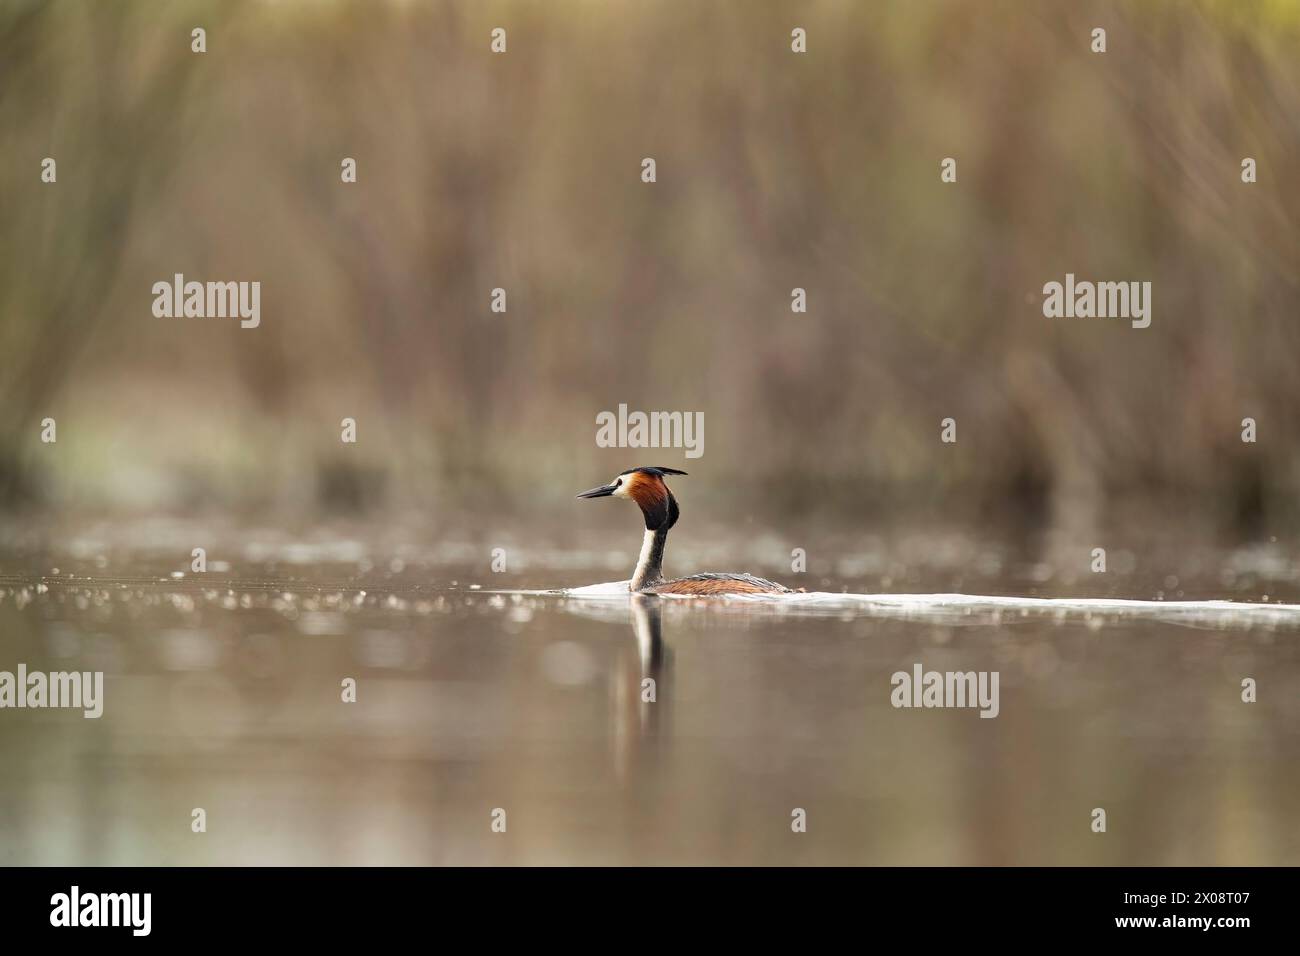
(478, 691)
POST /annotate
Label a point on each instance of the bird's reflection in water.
(642, 691)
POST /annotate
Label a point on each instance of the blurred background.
(775, 171)
(521, 171)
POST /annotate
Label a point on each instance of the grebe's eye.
(618, 482)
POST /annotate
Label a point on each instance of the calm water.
(473, 693)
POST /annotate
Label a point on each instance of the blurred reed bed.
(775, 171)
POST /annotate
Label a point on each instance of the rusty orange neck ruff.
(655, 500)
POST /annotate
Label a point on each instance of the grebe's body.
(647, 488)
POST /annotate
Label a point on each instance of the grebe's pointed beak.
(600, 492)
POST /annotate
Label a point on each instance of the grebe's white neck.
(649, 566)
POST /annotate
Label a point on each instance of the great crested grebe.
(646, 487)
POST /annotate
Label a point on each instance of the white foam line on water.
(1203, 613)
(1215, 614)
(1068, 604)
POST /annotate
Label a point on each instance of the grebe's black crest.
(646, 486)
(659, 470)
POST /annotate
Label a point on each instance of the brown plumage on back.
(718, 584)
(646, 486)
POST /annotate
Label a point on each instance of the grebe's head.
(646, 487)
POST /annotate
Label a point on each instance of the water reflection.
(642, 694)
